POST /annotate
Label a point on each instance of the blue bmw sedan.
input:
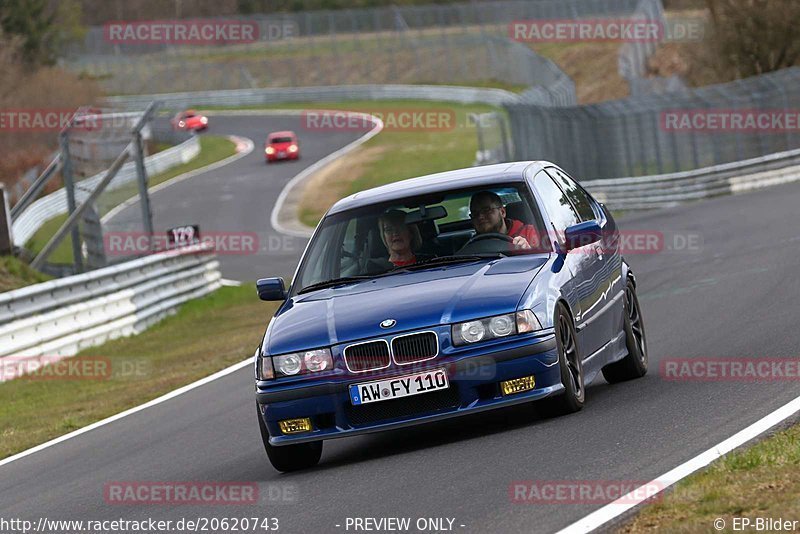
(441, 296)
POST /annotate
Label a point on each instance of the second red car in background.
(281, 145)
(190, 120)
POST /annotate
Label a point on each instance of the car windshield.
(281, 140)
(451, 227)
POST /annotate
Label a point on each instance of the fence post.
(6, 236)
(69, 185)
(144, 197)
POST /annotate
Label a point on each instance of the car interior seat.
(519, 211)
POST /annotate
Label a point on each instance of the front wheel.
(290, 457)
(634, 365)
(571, 366)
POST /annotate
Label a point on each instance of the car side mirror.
(271, 289)
(582, 234)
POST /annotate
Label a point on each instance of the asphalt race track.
(237, 199)
(735, 296)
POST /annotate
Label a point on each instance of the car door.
(581, 265)
(602, 319)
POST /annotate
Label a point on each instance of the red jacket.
(528, 231)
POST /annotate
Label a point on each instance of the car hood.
(416, 299)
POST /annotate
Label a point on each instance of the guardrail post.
(144, 196)
(69, 185)
(6, 237)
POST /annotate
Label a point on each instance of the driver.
(489, 216)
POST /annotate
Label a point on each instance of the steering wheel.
(490, 235)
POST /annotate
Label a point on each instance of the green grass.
(212, 149)
(175, 352)
(401, 155)
(759, 481)
(15, 274)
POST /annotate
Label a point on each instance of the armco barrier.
(61, 317)
(256, 97)
(55, 203)
(666, 190)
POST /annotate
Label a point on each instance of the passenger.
(489, 216)
(401, 239)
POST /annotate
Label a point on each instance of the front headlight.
(269, 150)
(288, 364)
(318, 360)
(307, 361)
(470, 332)
(494, 327)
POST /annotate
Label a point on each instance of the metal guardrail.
(668, 190)
(256, 97)
(30, 220)
(61, 317)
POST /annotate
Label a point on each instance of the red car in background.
(190, 120)
(281, 145)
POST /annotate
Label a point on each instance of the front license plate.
(397, 387)
(281, 154)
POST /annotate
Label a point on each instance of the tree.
(752, 37)
(43, 27)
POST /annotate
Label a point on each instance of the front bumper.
(474, 387)
(278, 157)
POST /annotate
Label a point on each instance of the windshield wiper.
(334, 282)
(447, 260)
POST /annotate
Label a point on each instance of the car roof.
(443, 181)
(284, 133)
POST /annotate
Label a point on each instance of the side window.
(576, 195)
(555, 202)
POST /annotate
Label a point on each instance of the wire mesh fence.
(662, 133)
(452, 43)
(494, 142)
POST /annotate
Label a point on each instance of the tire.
(634, 365)
(571, 366)
(290, 457)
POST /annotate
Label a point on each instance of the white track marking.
(610, 511)
(172, 394)
(126, 413)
